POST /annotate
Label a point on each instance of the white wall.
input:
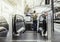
(7, 10)
(33, 3)
(19, 8)
(0, 9)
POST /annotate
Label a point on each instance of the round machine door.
(19, 23)
(4, 27)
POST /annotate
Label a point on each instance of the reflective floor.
(31, 36)
(57, 32)
(56, 37)
(28, 35)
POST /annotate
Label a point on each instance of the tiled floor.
(28, 35)
(31, 36)
(57, 32)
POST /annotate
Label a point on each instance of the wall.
(8, 9)
(33, 3)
